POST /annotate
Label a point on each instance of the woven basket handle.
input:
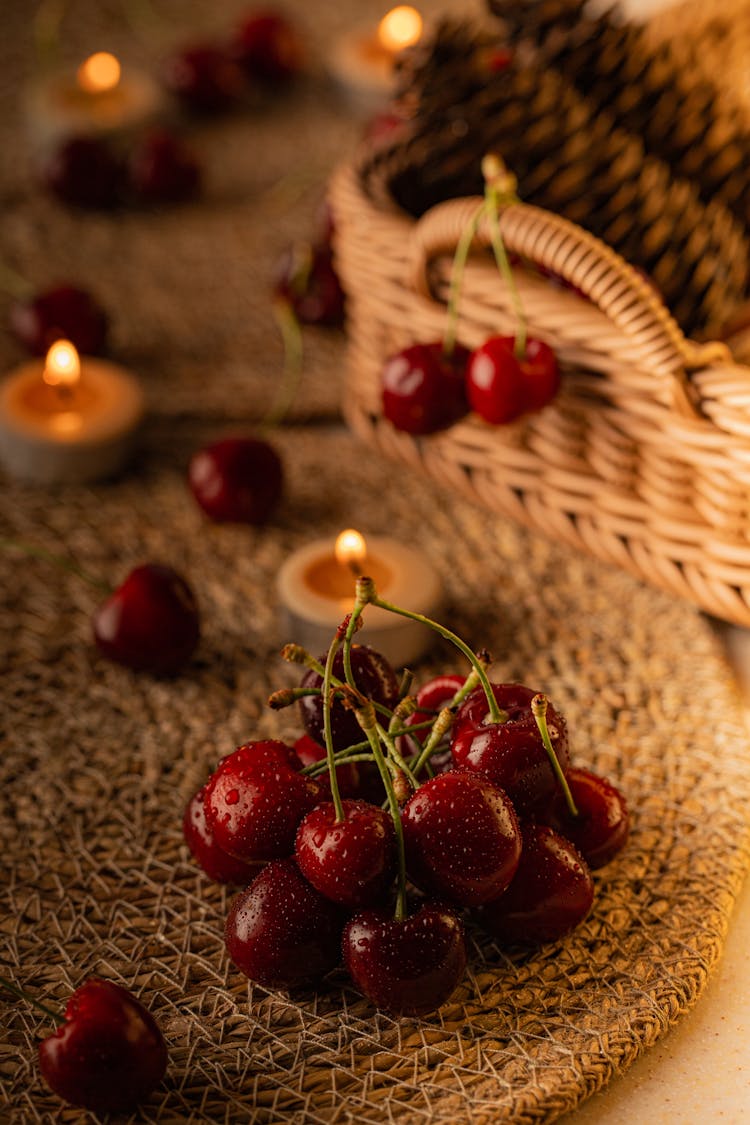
(584, 261)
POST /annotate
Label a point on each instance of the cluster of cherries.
(394, 813)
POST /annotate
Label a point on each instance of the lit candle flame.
(62, 367)
(99, 73)
(400, 28)
(350, 550)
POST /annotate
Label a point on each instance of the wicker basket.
(643, 460)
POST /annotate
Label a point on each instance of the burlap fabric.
(98, 763)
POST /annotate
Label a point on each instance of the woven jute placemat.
(98, 764)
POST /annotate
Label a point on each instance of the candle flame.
(62, 367)
(350, 549)
(99, 73)
(400, 28)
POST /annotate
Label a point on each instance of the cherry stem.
(500, 188)
(387, 737)
(539, 710)
(327, 731)
(11, 987)
(291, 338)
(460, 258)
(58, 560)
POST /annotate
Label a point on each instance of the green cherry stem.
(458, 268)
(60, 561)
(539, 711)
(500, 187)
(11, 987)
(327, 731)
(286, 391)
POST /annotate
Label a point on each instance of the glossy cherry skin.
(84, 172)
(374, 677)
(353, 861)
(255, 800)
(163, 170)
(541, 374)
(423, 389)
(109, 1053)
(309, 751)
(217, 864)
(281, 932)
(602, 826)
(65, 312)
(409, 967)
(551, 893)
(204, 78)
(237, 480)
(512, 753)
(462, 838)
(150, 623)
(431, 697)
(307, 280)
(268, 47)
(501, 386)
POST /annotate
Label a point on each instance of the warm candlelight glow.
(62, 367)
(99, 73)
(400, 28)
(350, 548)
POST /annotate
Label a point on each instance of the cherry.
(462, 838)
(84, 172)
(309, 751)
(352, 861)
(150, 622)
(237, 480)
(373, 676)
(408, 966)
(603, 823)
(217, 864)
(423, 389)
(268, 47)
(109, 1053)
(280, 931)
(551, 893)
(307, 281)
(431, 697)
(204, 78)
(500, 386)
(63, 312)
(510, 753)
(163, 170)
(255, 800)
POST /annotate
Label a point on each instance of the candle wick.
(354, 567)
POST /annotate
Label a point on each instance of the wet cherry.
(237, 480)
(309, 751)
(62, 312)
(423, 389)
(431, 697)
(602, 826)
(373, 676)
(217, 864)
(353, 861)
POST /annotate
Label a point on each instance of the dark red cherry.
(237, 480)
(268, 47)
(255, 800)
(431, 697)
(306, 279)
(84, 172)
(373, 676)
(462, 838)
(109, 1053)
(407, 967)
(150, 622)
(352, 861)
(217, 864)
(603, 823)
(281, 932)
(552, 890)
(204, 78)
(163, 170)
(423, 389)
(501, 386)
(64, 312)
(309, 751)
(511, 753)
(541, 374)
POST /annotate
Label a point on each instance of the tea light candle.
(316, 587)
(63, 419)
(362, 61)
(98, 99)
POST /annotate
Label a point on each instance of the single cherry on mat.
(85, 172)
(163, 169)
(602, 826)
(281, 932)
(462, 838)
(307, 280)
(108, 1055)
(552, 890)
(352, 861)
(150, 622)
(204, 78)
(237, 480)
(64, 312)
(216, 863)
(423, 388)
(268, 47)
(373, 676)
(409, 966)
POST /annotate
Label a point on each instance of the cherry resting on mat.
(268, 47)
(150, 622)
(502, 386)
(602, 826)
(352, 861)
(65, 312)
(423, 389)
(84, 172)
(109, 1053)
(163, 170)
(204, 78)
(217, 864)
(307, 281)
(237, 480)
